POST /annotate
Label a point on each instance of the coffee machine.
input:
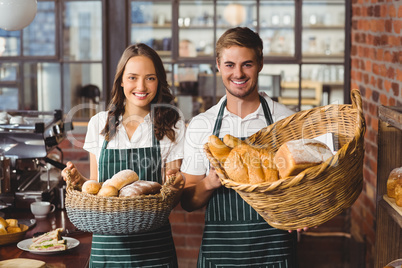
(30, 158)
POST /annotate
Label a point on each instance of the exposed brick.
(375, 96)
(395, 89)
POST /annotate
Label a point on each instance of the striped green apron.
(151, 249)
(235, 235)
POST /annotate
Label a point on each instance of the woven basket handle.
(357, 104)
(166, 192)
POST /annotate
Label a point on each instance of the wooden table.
(77, 257)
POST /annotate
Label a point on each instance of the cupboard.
(389, 216)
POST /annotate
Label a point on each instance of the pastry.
(91, 187)
(394, 178)
(218, 149)
(122, 178)
(246, 164)
(297, 155)
(140, 188)
(231, 141)
(108, 191)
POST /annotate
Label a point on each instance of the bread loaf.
(394, 179)
(246, 164)
(218, 149)
(122, 178)
(398, 195)
(140, 188)
(231, 141)
(108, 191)
(297, 155)
(91, 187)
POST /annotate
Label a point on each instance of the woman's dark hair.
(164, 114)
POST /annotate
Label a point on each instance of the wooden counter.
(77, 257)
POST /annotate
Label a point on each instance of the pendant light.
(234, 14)
(16, 14)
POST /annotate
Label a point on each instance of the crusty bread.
(398, 195)
(91, 187)
(3, 223)
(247, 164)
(122, 178)
(3, 230)
(218, 149)
(140, 188)
(108, 191)
(297, 155)
(231, 141)
(13, 229)
(235, 167)
(394, 178)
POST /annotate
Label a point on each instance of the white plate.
(71, 243)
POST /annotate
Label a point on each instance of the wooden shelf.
(389, 216)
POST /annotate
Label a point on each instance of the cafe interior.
(57, 65)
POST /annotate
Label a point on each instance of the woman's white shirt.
(141, 138)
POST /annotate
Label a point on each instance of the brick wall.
(376, 70)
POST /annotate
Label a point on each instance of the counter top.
(77, 257)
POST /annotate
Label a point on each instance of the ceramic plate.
(71, 243)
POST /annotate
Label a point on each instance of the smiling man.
(235, 235)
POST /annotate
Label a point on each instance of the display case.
(301, 45)
(388, 245)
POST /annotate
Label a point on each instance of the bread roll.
(235, 168)
(218, 149)
(231, 141)
(91, 187)
(12, 230)
(140, 188)
(3, 223)
(394, 178)
(3, 230)
(122, 178)
(398, 195)
(246, 164)
(297, 155)
(271, 173)
(108, 191)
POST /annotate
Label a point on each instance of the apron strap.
(218, 122)
(265, 108)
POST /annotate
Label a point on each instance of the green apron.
(235, 235)
(151, 249)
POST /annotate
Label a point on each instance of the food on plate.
(50, 241)
(394, 179)
(12, 222)
(13, 229)
(91, 187)
(9, 226)
(108, 191)
(231, 141)
(140, 188)
(246, 164)
(218, 148)
(297, 155)
(121, 179)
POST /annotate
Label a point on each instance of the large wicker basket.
(318, 193)
(115, 215)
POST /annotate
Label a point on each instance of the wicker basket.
(318, 193)
(115, 215)
(6, 239)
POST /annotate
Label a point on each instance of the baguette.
(121, 179)
(218, 149)
(232, 141)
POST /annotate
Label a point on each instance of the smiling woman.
(142, 132)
